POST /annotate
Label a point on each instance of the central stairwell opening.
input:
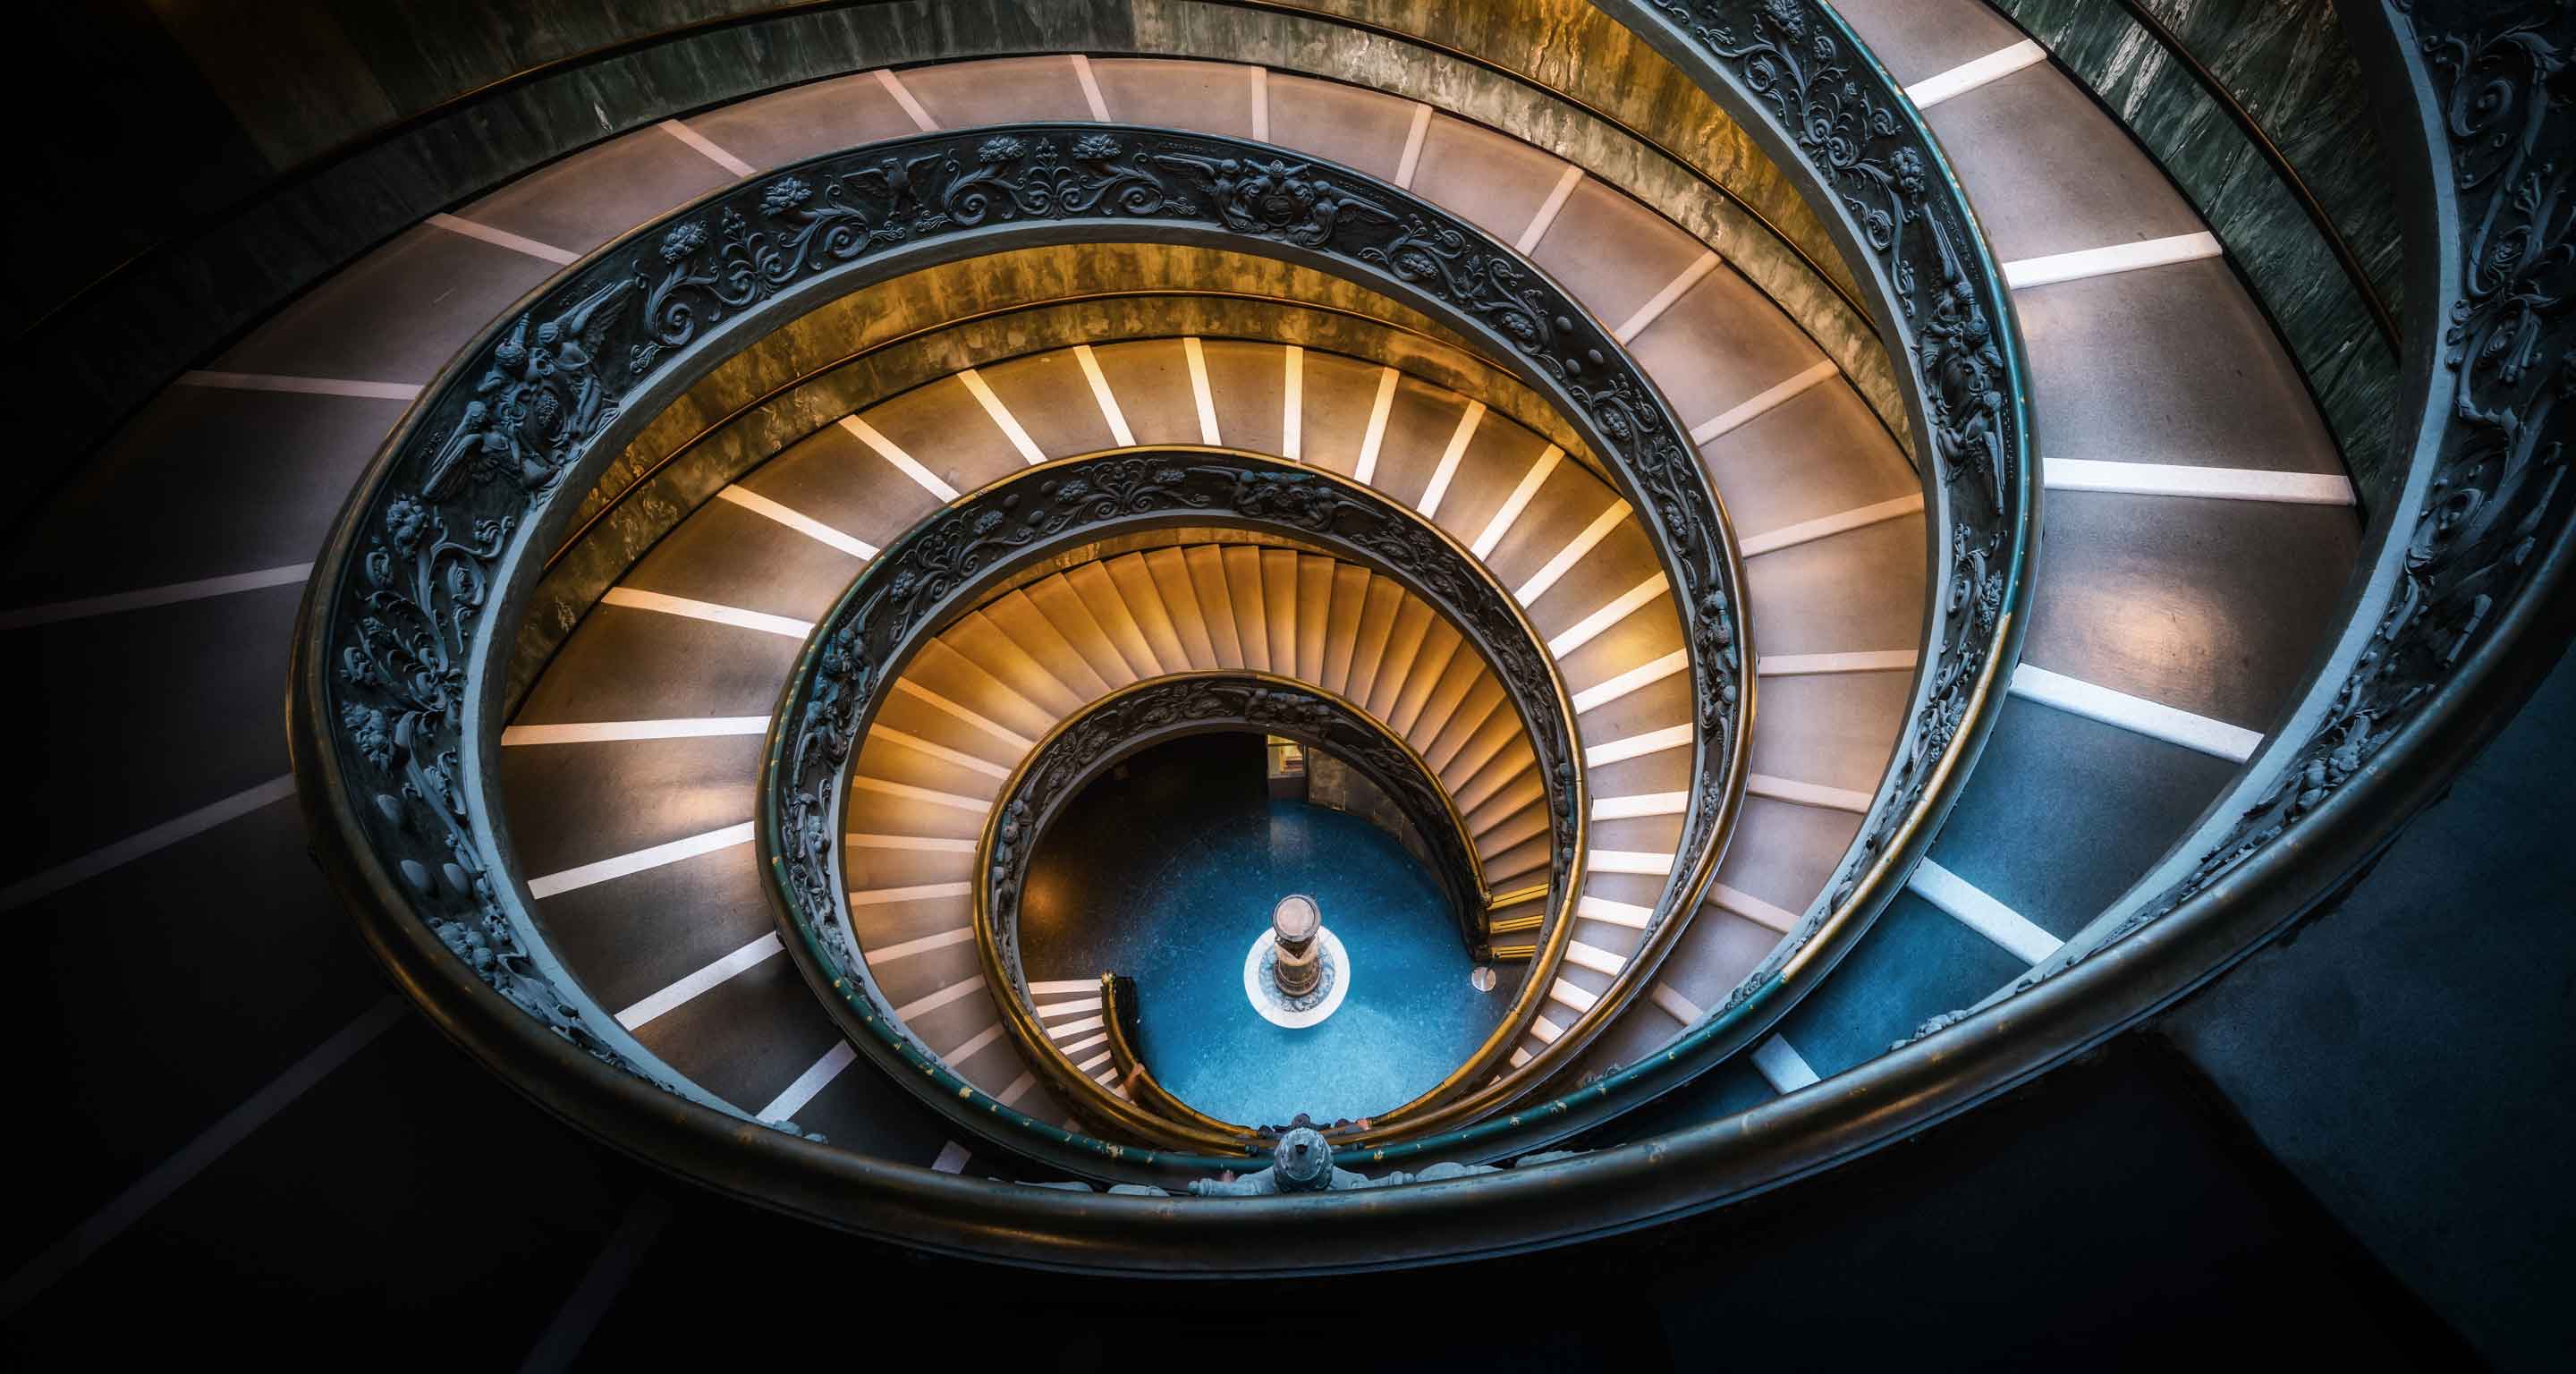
(1165, 872)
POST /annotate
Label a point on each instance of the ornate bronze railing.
(1138, 717)
(394, 690)
(467, 484)
(947, 564)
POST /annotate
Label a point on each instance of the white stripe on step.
(1292, 406)
(936, 1000)
(609, 731)
(888, 896)
(1598, 960)
(1825, 527)
(301, 386)
(503, 238)
(906, 949)
(887, 449)
(1643, 804)
(1547, 210)
(927, 844)
(1602, 694)
(1762, 404)
(1675, 1005)
(1650, 742)
(1003, 419)
(1566, 994)
(1982, 913)
(912, 108)
(1608, 912)
(656, 856)
(941, 752)
(1629, 861)
(1968, 76)
(2135, 714)
(1784, 1066)
(735, 616)
(1662, 301)
(1064, 985)
(132, 847)
(972, 1045)
(2178, 479)
(952, 1159)
(1465, 434)
(990, 727)
(1412, 158)
(1375, 434)
(809, 1084)
(1572, 553)
(1807, 793)
(1803, 665)
(798, 521)
(1100, 392)
(2102, 262)
(707, 148)
(1752, 908)
(1196, 355)
(144, 598)
(1591, 626)
(1090, 88)
(1517, 502)
(748, 957)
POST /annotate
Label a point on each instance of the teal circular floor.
(1168, 874)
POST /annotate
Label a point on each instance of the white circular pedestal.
(1262, 990)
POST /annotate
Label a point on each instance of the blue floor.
(1168, 874)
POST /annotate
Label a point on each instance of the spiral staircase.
(1849, 554)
